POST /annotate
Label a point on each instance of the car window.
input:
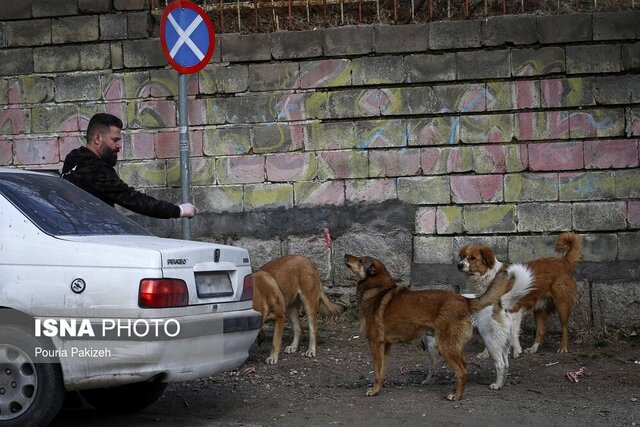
(60, 208)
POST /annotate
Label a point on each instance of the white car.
(91, 301)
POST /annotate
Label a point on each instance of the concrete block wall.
(403, 142)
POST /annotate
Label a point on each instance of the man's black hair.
(100, 123)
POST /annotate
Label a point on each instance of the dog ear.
(369, 267)
(463, 252)
(487, 256)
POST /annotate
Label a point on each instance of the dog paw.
(271, 360)
(310, 353)
(563, 350)
(532, 349)
(495, 386)
(290, 349)
(451, 397)
(483, 355)
(371, 392)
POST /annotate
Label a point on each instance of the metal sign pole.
(188, 39)
(184, 150)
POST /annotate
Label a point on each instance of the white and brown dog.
(494, 323)
(554, 288)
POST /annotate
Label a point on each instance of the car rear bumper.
(206, 344)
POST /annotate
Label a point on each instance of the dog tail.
(328, 307)
(523, 279)
(569, 245)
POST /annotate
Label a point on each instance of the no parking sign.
(188, 39)
(187, 36)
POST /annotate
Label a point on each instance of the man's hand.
(187, 210)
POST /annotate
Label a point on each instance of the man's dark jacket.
(89, 172)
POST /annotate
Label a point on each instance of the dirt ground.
(329, 389)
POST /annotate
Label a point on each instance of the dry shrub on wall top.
(264, 16)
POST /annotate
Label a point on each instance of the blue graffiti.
(366, 143)
(455, 122)
(452, 133)
(589, 185)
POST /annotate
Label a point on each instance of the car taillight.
(247, 288)
(162, 293)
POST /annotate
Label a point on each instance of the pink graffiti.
(633, 213)
(552, 91)
(495, 135)
(553, 156)
(372, 190)
(475, 189)
(474, 99)
(604, 154)
(556, 125)
(635, 125)
(455, 161)
(426, 220)
(525, 94)
(113, 90)
(429, 159)
(13, 119)
(14, 94)
(162, 112)
(370, 101)
(292, 107)
(525, 125)
(245, 169)
(527, 70)
(337, 161)
(116, 108)
(327, 193)
(584, 124)
(428, 135)
(323, 72)
(6, 152)
(496, 155)
(383, 100)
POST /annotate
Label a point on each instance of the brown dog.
(279, 287)
(554, 288)
(393, 314)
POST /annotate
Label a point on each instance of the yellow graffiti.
(271, 195)
(233, 193)
(513, 187)
(167, 84)
(487, 217)
(395, 101)
(575, 92)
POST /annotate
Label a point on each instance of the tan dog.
(554, 288)
(279, 288)
(393, 314)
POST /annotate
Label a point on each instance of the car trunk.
(213, 273)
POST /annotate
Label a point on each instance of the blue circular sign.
(187, 36)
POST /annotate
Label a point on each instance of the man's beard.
(110, 156)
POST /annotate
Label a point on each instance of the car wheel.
(125, 399)
(31, 394)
